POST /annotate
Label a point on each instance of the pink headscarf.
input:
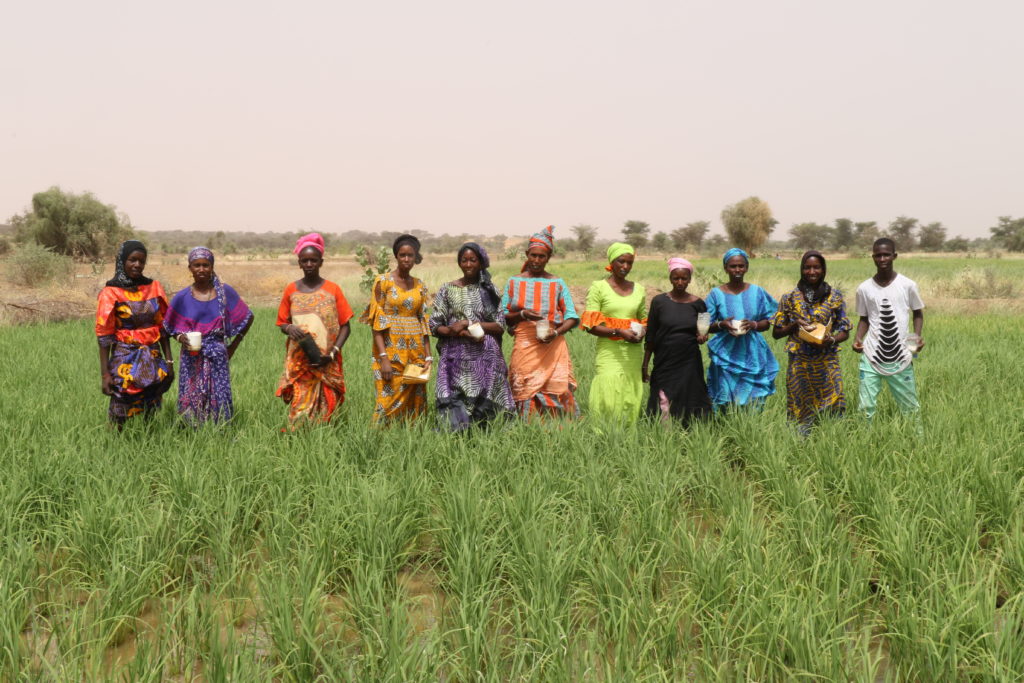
(676, 262)
(313, 239)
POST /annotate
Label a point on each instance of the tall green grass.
(552, 551)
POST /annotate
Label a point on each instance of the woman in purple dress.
(214, 310)
(472, 378)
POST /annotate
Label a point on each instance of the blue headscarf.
(735, 251)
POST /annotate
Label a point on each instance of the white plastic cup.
(194, 340)
(543, 329)
(476, 330)
(737, 326)
(637, 329)
(913, 343)
(703, 323)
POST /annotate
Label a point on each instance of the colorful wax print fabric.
(814, 382)
(472, 377)
(204, 381)
(540, 373)
(313, 392)
(129, 321)
(678, 390)
(741, 369)
(616, 392)
(399, 315)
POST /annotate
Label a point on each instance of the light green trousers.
(901, 385)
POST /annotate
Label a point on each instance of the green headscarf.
(617, 249)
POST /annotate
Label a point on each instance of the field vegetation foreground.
(558, 551)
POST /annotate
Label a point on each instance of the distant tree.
(811, 236)
(931, 237)
(691, 235)
(585, 236)
(660, 241)
(867, 233)
(901, 229)
(1009, 233)
(748, 223)
(957, 243)
(843, 236)
(635, 233)
(76, 225)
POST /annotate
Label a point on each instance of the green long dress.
(616, 392)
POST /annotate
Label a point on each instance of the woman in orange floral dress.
(313, 313)
(401, 336)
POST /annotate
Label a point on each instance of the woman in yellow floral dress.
(401, 336)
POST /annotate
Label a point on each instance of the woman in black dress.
(678, 388)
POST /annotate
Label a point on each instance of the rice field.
(555, 551)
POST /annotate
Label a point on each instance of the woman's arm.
(644, 375)
(106, 380)
(165, 346)
(239, 337)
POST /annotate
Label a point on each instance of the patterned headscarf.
(813, 293)
(485, 276)
(617, 249)
(313, 239)
(218, 288)
(544, 238)
(735, 251)
(121, 278)
(675, 263)
(412, 241)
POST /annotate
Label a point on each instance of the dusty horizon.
(461, 117)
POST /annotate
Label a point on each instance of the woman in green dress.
(616, 312)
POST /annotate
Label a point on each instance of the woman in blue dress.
(742, 368)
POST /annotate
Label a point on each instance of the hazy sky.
(476, 116)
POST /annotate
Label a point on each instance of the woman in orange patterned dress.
(136, 366)
(401, 336)
(313, 312)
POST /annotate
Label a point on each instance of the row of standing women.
(468, 318)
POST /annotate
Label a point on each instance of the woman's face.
(310, 261)
(202, 270)
(622, 265)
(135, 264)
(680, 279)
(537, 260)
(813, 270)
(406, 257)
(469, 262)
(736, 267)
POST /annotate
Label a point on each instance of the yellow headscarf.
(617, 249)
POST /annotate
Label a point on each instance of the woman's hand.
(702, 338)
(385, 370)
(294, 332)
(169, 379)
(629, 335)
(107, 384)
(645, 376)
(181, 338)
(457, 328)
(530, 314)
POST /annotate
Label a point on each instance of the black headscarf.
(486, 283)
(811, 293)
(121, 278)
(411, 241)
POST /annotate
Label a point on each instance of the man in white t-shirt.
(885, 304)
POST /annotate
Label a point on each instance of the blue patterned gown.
(742, 369)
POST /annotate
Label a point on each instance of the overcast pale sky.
(476, 116)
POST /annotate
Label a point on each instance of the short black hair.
(884, 242)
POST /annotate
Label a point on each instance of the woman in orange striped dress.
(539, 312)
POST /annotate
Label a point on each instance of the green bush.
(34, 265)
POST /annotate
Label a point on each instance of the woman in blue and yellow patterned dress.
(401, 337)
(136, 366)
(814, 384)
